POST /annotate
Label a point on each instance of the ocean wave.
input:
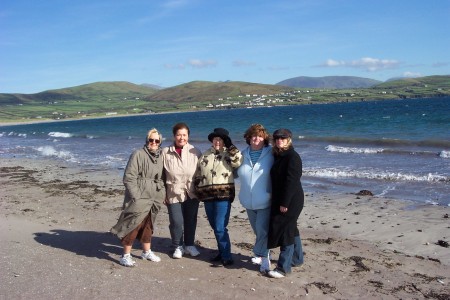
(51, 151)
(377, 141)
(332, 148)
(444, 154)
(368, 150)
(12, 133)
(386, 176)
(60, 134)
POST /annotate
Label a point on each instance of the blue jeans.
(183, 222)
(259, 220)
(218, 213)
(291, 255)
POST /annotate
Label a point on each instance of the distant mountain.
(329, 82)
(152, 86)
(438, 82)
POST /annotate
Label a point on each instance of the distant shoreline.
(27, 122)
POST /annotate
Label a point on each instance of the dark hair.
(179, 126)
(259, 130)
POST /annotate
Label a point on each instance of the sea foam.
(388, 176)
(332, 148)
(60, 134)
(51, 151)
(444, 154)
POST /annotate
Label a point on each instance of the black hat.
(218, 132)
(282, 133)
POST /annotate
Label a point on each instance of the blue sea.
(394, 148)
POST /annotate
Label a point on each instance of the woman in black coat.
(287, 204)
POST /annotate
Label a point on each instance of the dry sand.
(55, 244)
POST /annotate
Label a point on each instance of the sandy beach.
(55, 244)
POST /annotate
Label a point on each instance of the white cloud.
(367, 63)
(198, 63)
(333, 63)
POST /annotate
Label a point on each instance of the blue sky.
(53, 44)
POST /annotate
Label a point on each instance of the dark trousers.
(183, 222)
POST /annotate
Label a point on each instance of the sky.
(52, 44)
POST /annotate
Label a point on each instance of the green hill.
(201, 93)
(86, 92)
(87, 100)
(122, 98)
(329, 82)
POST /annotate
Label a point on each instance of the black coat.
(287, 191)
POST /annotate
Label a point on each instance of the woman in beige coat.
(180, 162)
(144, 196)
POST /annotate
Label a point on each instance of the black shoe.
(218, 257)
(227, 262)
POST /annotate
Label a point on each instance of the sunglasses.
(154, 140)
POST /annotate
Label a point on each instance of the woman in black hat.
(214, 185)
(287, 204)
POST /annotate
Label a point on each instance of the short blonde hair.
(152, 131)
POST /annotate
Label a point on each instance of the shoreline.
(58, 217)
(28, 122)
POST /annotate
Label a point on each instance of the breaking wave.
(52, 152)
(444, 154)
(60, 134)
(387, 176)
(340, 149)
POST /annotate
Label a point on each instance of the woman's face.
(281, 143)
(256, 142)
(153, 141)
(181, 137)
(217, 143)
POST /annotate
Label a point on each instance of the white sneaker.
(265, 265)
(178, 253)
(127, 261)
(257, 260)
(275, 274)
(150, 256)
(191, 250)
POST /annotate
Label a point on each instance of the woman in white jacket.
(255, 191)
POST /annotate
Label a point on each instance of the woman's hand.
(283, 209)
